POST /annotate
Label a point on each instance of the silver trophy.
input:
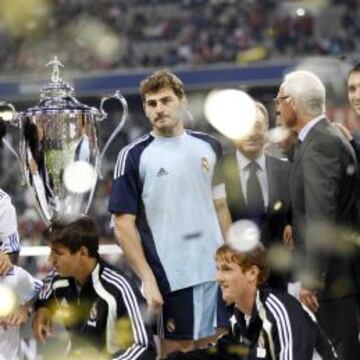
(58, 147)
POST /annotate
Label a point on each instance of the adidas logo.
(162, 172)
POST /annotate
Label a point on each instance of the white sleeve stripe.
(134, 314)
(280, 331)
(118, 162)
(128, 304)
(122, 171)
(111, 339)
(38, 285)
(11, 243)
(121, 161)
(45, 294)
(282, 321)
(131, 353)
(47, 290)
(132, 301)
(287, 321)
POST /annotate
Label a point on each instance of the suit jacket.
(322, 189)
(277, 215)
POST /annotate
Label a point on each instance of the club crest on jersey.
(205, 165)
(170, 325)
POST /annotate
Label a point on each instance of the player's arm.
(27, 290)
(5, 263)
(42, 321)
(128, 238)
(219, 194)
(220, 199)
(135, 339)
(19, 317)
(223, 215)
(42, 324)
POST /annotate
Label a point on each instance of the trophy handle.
(13, 122)
(117, 95)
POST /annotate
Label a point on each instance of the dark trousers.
(339, 318)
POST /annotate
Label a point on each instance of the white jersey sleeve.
(27, 287)
(9, 236)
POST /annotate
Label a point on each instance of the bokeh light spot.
(280, 258)
(79, 177)
(243, 235)
(278, 134)
(278, 205)
(232, 112)
(8, 300)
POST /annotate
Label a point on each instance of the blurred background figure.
(257, 189)
(323, 198)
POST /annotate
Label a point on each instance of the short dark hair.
(245, 259)
(73, 233)
(354, 69)
(159, 80)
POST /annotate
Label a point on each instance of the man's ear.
(294, 104)
(184, 102)
(253, 273)
(84, 251)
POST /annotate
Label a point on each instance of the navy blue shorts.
(192, 313)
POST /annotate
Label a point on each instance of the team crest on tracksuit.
(205, 165)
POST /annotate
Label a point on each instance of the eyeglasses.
(280, 98)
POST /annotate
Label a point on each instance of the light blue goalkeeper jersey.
(167, 183)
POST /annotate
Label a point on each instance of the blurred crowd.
(109, 34)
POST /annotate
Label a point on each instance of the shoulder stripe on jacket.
(283, 325)
(129, 299)
(47, 288)
(121, 160)
(138, 328)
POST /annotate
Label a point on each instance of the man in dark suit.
(322, 189)
(257, 188)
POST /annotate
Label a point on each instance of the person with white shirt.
(16, 281)
(323, 197)
(9, 236)
(257, 189)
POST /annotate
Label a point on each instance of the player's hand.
(42, 324)
(153, 296)
(17, 318)
(5, 263)
(288, 239)
(309, 298)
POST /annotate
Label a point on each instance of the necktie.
(254, 195)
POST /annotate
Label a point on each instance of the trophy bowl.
(58, 147)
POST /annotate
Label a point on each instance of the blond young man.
(265, 323)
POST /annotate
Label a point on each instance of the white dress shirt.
(305, 130)
(244, 173)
